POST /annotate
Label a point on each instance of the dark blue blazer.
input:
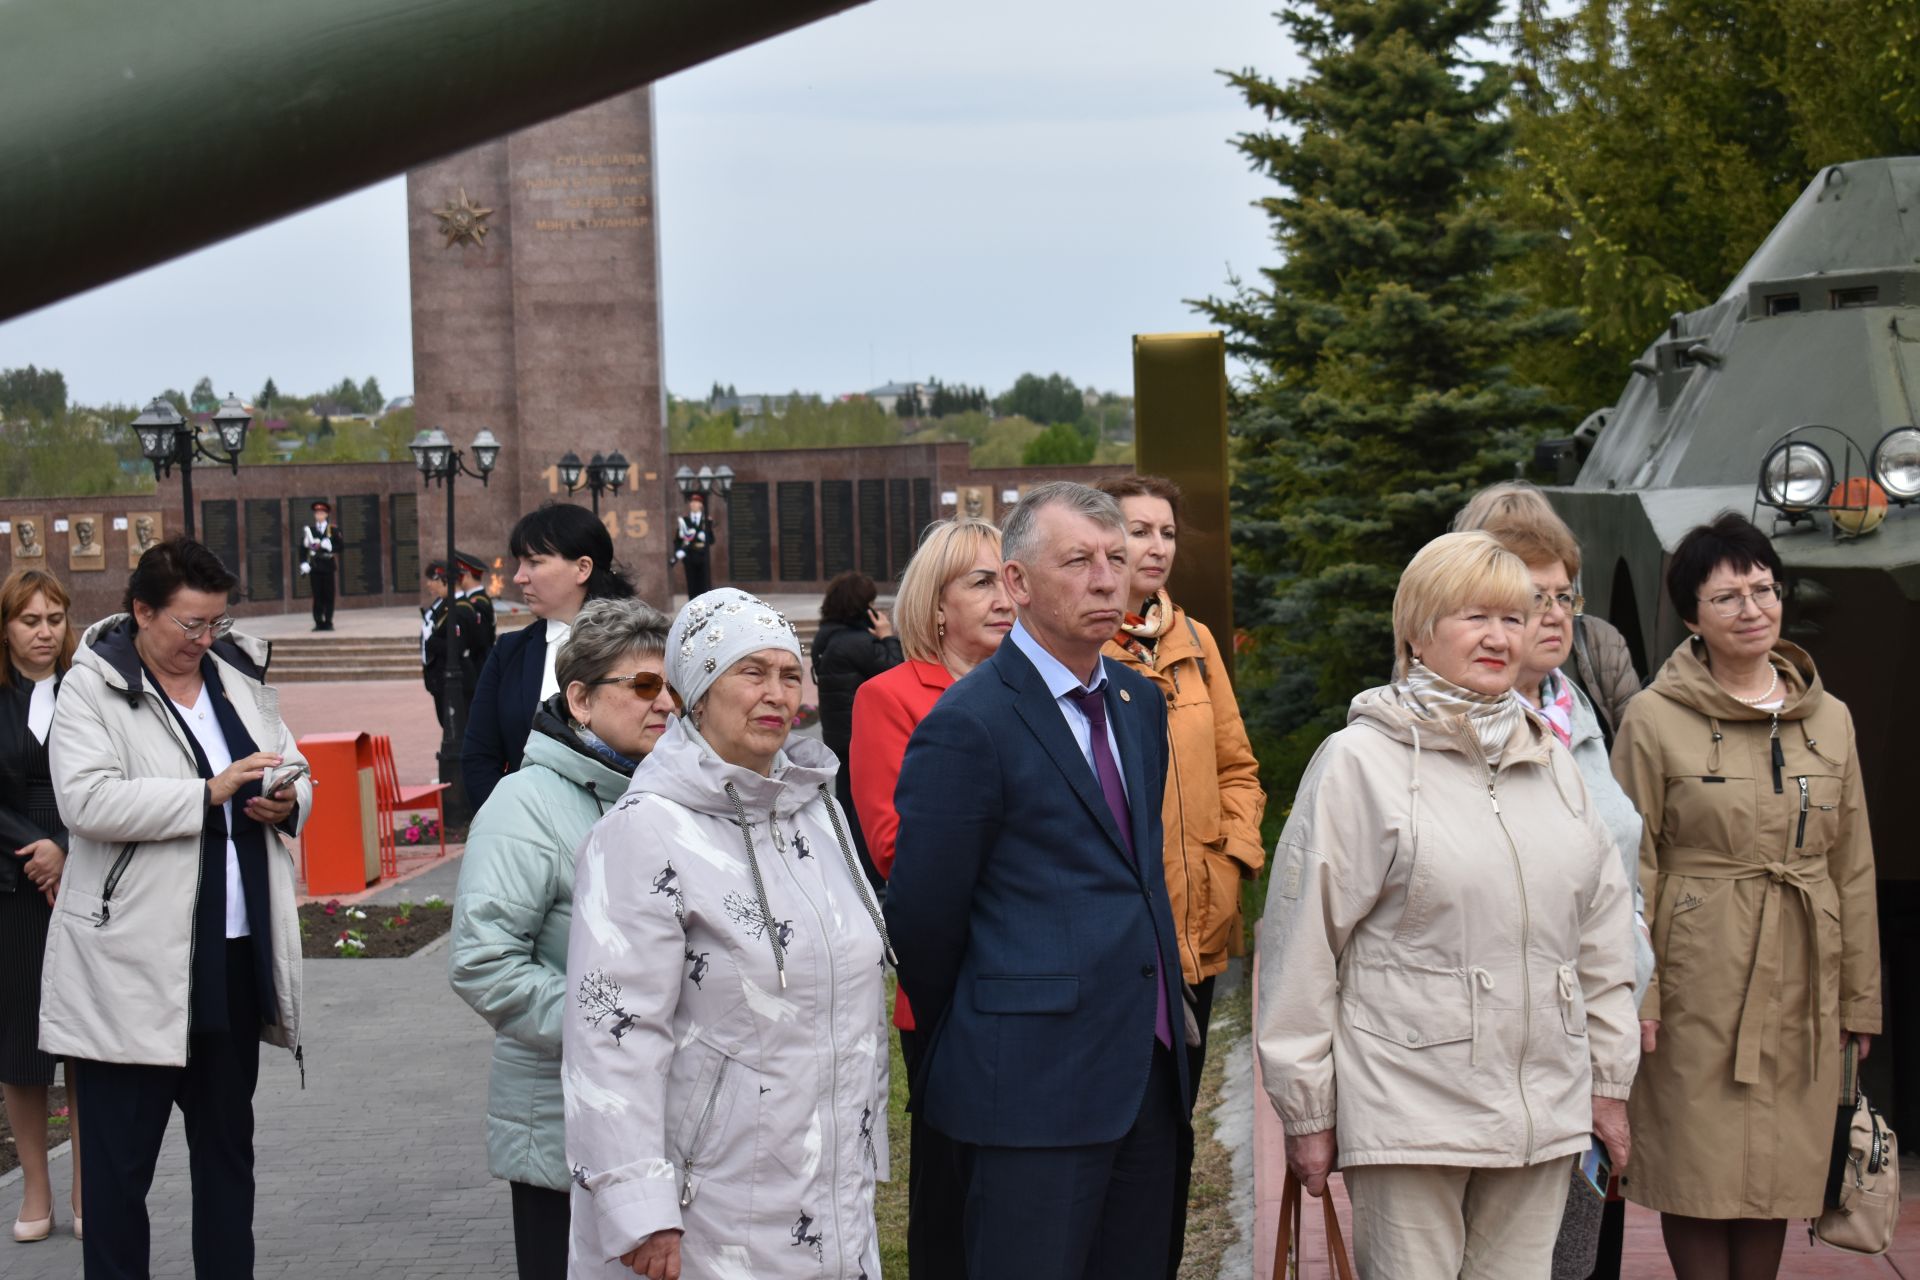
(1028, 939)
(502, 713)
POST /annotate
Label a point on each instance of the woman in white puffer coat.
(725, 1063)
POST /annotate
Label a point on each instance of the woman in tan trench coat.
(1759, 880)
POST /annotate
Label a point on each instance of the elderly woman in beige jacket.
(1446, 959)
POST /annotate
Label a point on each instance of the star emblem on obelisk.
(462, 221)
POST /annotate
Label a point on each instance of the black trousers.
(699, 574)
(936, 1196)
(542, 1222)
(322, 594)
(1099, 1212)
(128, 1107)
(1183, 1158)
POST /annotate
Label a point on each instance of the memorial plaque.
(922, 508)
(220, 534)
(406, 541)
(873, 529)
(358, 556)
(799, 551)
(299, 516)
(899, 526)
(836, 527)
(749, 544)
(266, 550)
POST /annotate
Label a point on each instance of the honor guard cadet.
(436, 638)
(473, 590)
(319, 545)
(693, 535)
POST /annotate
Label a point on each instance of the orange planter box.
(340, 844)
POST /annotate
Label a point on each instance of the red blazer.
(885, 711)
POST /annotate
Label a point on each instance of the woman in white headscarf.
(725, 1041)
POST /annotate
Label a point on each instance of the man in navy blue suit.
(1030, 915)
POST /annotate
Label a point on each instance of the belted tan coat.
(1758, 873)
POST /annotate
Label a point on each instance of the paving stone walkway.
(378, 1168)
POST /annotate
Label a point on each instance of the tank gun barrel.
(131, 133)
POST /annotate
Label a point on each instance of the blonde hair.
(1520, 516)
(1451, 572)
(948, 550)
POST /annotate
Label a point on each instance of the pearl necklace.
(1765, 695)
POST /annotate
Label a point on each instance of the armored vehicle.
(1795, 400)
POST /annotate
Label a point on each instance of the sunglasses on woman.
(646, 686)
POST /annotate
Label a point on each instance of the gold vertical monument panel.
(1180, 431)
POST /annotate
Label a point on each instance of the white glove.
(303, 568)
(680, 555)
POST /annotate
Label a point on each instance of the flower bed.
(371, 931)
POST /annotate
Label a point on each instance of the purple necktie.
(1093, 703)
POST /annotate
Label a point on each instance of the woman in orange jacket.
(1214, 800)
(952, 612)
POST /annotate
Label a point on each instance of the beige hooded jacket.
(1446, 960)
(119, 947)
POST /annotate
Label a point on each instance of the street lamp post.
(439, 463)
(606, 473)
(168, 440)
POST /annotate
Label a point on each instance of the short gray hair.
(1018, 530)
(604, 632)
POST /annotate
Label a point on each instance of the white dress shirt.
(206, 731)
(557, 633)
(1060, 683)
(40, 709)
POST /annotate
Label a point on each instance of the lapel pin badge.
(1125, 696)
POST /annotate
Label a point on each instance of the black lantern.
(606, 473)
(168, 440)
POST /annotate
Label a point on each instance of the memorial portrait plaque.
(406, 540)
(144, 529)
(86, 543)
(299, 515)
(976, 502)
(836, 527)
(873, 529)
(29, 539)
(266, 550)
(220, 534)
(799, 553)
(749, 540)
(922, 508)
(899, 525)
(359, 558)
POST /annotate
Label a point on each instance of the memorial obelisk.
(536, 314)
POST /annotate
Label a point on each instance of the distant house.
(890, 396)
(396, 404)
(748, 408)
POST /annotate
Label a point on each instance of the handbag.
(1863, 1203)
(1286, 1262)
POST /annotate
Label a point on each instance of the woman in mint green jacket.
(515, 901)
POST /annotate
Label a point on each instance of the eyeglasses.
(646, 685)
(220, 626)
(1731, 604)
(1573, 604)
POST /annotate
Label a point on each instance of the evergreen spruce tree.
(1380, 394)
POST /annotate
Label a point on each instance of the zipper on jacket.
(1779, 758)
(700, 1130)
(1526, 975)
(114, 873)
(1800, 834)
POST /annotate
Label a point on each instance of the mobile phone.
(1596, 1168)
(280, 779)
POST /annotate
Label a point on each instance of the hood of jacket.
(553, 744)
(1686, 679)
(683, 768)
(107, 648)
(1386, 709)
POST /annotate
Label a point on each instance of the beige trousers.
(1432, 1222)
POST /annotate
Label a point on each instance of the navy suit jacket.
(1029, 940)
(502, 713)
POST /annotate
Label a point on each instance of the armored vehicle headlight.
(1896, 463)
(1796, 476)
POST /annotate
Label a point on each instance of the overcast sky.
(966, 189)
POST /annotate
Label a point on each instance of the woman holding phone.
(174, 948)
